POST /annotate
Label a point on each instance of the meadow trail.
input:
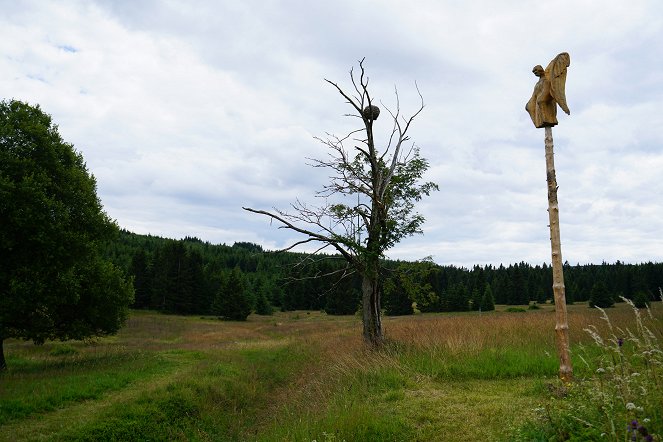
(44, 426)
(294, 376)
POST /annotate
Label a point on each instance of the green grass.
(38, 386)
(493, 363)
(296, 377)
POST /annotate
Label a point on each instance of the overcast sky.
(185, 111)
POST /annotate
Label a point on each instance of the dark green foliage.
(232, 300)
(487, 301)
(412, 282)
(517, 286)
(600, 296)
(54, 283)
(142, 281)
(263, 307)
(343, 297)
(291, 286)
(570, 292)
(395, 299)
(458, 298)
(641, 299)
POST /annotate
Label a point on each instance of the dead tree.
(369, 201)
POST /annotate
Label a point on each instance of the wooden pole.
(562, 325)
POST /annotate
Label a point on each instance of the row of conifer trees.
(190, 276)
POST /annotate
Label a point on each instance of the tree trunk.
(562, 326)
(370, 288)
(3, 363)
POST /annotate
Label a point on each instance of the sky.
(186, 111)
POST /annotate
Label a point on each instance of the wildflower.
(631, 406)
(600, 370)
(620, 342)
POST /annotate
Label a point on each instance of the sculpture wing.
(556, 73)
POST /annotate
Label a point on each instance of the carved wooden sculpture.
(549, 92)
(542, 108)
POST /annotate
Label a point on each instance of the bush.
(641, 300)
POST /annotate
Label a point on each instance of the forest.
(191, 276)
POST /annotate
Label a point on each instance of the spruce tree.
(600, 296)
(231, 301)
(487, 301)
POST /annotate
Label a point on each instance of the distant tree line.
(190, 276)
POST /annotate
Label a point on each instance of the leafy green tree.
(600, 296)
(396, 300)
(54, 284)
(411, 282)
(369, 202)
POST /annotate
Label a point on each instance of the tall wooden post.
(549, 92)
(562, 325)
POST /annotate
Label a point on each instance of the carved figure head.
(538, 70)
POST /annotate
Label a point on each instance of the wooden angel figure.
(549, 92)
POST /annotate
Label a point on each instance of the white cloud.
(187, 111)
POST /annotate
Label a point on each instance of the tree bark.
(371, 308)
(3, 362)
(559, 291)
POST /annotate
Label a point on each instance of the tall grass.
(299, 376)
(621, 395)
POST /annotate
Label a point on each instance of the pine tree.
(139, 270)
(231, 301)
(263, 307)
(476, 299)
(641, 299)
(458, 298)
(600, 296)
(487, 301)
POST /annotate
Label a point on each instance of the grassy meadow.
(299, 376)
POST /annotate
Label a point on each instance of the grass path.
(44, 426)
(468, 410)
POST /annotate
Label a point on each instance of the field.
(295, 376)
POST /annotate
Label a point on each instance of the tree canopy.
(54, 283)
